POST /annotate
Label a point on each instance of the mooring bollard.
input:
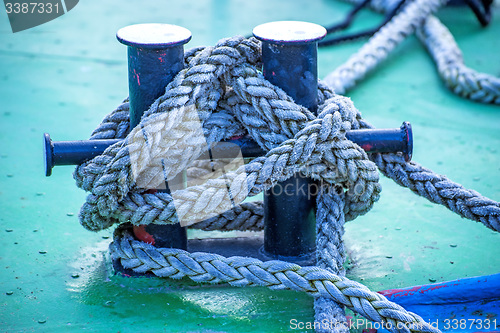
(155, 56)
(289, 51)
(289, 57)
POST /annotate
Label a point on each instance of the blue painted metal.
(371, 140)
(385, 140)
(155, 56)
(289, 56)
(71, 152)
(463, 305)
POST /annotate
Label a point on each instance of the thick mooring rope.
(378, 48)
(331, 256)
(460, 79)
(316, 146)
(276, 275)
(417, 17)
(229, 96)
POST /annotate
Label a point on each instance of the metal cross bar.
(389, 140)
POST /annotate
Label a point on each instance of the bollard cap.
(153, 35)
(48, 154)
(289, 32)
(407, 133)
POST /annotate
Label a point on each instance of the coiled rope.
(416, 16)
(229, 96)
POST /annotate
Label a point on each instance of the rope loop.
(222, 93)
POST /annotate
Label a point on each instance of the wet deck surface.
(64, 76)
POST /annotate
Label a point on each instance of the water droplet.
(42, 252)
(9, 293)
(453, 245)
(75, 276)
(432, 280)
(105, 237)
(40, 194)
(398, 228)
(42, 321)
(70, 214)
(9, 230)
(388, 257)
(10, 175)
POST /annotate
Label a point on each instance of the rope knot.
(222, 93)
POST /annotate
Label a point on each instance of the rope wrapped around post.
(224, 87)
(276, 275)
(316, 146)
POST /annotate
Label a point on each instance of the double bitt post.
(289, 56)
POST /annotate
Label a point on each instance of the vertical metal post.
(289, 56)
(155, 56)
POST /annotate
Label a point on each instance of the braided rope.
(463, 81)
(330, 255)
(197, 86)
(276, 275)
(249, 216)
(422, 181)
(378, 48)
(296, 140)
(439, 189)
(438, 40)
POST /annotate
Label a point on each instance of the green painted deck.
(64, 76)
